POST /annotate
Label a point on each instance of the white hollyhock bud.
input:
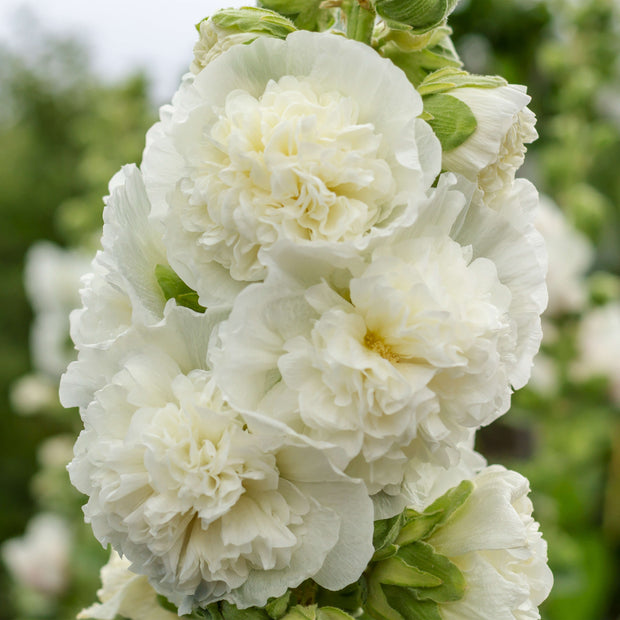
(496, 149)
(124, 593)
(314, 139)
(496, 543)
(229, 27)
(209, 504)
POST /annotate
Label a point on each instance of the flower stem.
(360, 21)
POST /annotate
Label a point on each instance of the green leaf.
(451, 501)
(409, 607)
(277, 607)
(174, 288)
(449, 78)
(377, 604)
(453, 121)
(301, 612)
(421, 15)
(252, 19)
(423, 557)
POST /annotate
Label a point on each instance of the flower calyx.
(407, 578)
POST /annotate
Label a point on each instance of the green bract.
(174, 288)
(449, 78)
(407, 578)
(417, 54)
(421, 15)
(306, 14)
(251, 19)
(451, 119)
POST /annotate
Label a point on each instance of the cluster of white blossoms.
(302, 311)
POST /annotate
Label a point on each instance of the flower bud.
(230, 27)
(421, 15)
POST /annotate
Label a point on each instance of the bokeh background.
(79, 86)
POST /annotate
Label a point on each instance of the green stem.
(360, 22)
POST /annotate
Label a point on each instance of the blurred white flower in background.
(52, 277)
(598, 344)
(39, 559)
(570, 255)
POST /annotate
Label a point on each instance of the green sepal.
(421, 15)
(210, 612)
(277, 607)
(396, 572)
(253, 19)
(232, 612)
(332, 613)
(348, 599)
(417, 65)
(418, 526)
(377, 604)
(305, 14)
(408, 606)
(423, 557)
(453, 121)
(386, 531)
(449, 78)
(174, 288)
(166, 604)
(313, 612)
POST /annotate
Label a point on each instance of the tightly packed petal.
(313, 139)
(397, 353)
(201, 504)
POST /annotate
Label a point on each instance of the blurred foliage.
(63, 135)
(566, 442)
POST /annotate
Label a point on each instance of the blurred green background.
(64, 134)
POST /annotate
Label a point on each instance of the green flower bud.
(421, 15)
(230, 27)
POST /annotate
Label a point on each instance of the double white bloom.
(362, 321)
(314, 139)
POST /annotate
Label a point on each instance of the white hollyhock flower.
(40, 559)
(52, 277)
(598, 343)
(398, 353)
(121, 287)
(497, 545)
(124, 593)
(314, 139)
(208, 504)
(570, 256)
(496, 150)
